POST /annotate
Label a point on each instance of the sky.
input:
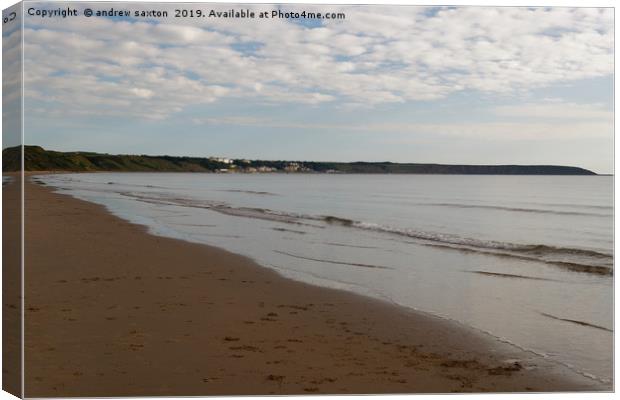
(464, 85)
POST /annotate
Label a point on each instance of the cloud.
(11, 83)
(557, 110)
(533, 122)
(377, 55)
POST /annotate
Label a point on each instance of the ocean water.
(527, 260)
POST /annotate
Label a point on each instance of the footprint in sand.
(246, 348)
(323, 380)
(461, 364)
(295, 307)
(505, 370)
(276, 378)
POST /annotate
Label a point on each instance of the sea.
(525, 260)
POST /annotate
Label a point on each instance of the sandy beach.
(114, 311)
(11, 292)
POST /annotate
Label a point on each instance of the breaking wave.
(574, 259)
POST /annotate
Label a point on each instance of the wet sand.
(114, 311)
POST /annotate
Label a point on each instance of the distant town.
(248, 166)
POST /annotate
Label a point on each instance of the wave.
(349, 245)
(573, 205)
(250, 192)
(573, 259)
(542, 249)
(198, 225)
(578, 260)
(497, 274)
(332, 261)
(330, 219)
(136, 185)
(521, 209)
(575, 267)
(578, 322)
(289, 230)
(223, 208)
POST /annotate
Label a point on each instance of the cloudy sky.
(405, 84)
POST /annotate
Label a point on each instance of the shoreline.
(191, 319)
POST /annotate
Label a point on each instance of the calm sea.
(527, 260)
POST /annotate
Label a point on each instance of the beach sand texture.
(11, 289)
(114, 311)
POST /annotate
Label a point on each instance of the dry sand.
(114, 311)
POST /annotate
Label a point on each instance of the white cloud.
(142, 93)
(377, 55)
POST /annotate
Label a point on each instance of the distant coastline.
(37, 158)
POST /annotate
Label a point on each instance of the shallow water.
(526, 259)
